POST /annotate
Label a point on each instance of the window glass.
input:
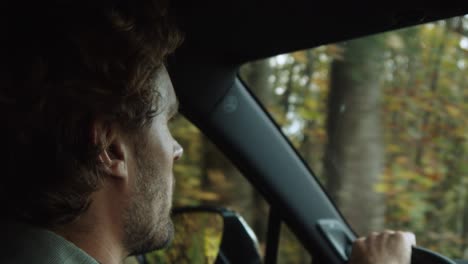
(204, 176)
(382, 122)
(290, 250)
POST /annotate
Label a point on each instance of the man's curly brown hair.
(62, 63)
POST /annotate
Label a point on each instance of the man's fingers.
(411, 238)
(384, 247)
(378, 238)
(404, 238)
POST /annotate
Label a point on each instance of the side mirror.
(206, 235)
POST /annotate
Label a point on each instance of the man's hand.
(388, 247)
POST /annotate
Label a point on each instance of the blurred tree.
(354, 152)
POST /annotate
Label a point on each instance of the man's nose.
(178, 150)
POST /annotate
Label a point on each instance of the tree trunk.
(354, 152)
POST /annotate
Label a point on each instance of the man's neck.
(100, 246)
(98, 232)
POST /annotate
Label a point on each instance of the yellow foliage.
(402, 160)
(393, 148)
(217, 177)
(381, 188)
(203, 195)
(453, 111)
(336, 51)
(300, 56)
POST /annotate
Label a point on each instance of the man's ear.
(114, 151)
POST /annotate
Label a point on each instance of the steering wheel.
(424, 256)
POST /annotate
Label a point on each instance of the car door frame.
(234, 120)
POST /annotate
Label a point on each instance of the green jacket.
(27, 245)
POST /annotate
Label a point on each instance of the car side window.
(382, 121)
(290, 250)
(205, 176)
(203, 171)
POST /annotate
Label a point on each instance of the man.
(85, 101)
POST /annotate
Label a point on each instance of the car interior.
(222, 36)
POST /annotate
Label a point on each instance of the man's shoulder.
(25, 244)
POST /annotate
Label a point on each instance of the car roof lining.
(239, 31)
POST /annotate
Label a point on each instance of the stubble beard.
(147, 222)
